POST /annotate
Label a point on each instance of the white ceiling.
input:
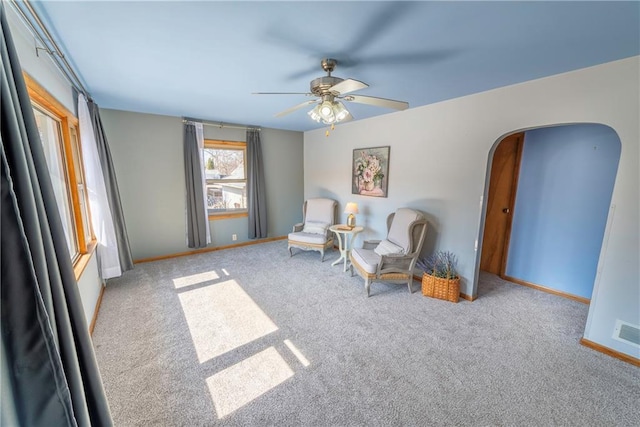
(204, 59)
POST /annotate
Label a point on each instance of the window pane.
(51, 137)
(224, 163)
(231, 196)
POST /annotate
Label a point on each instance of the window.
(226, 175)
(51, 137)
(58, 130)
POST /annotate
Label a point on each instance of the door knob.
(506, 210)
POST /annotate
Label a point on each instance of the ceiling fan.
(330, 91)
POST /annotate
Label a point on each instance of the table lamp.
(351, 209)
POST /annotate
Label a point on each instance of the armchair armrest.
(298, 227)
(370, 244)
(396, 263)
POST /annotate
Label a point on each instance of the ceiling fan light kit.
(330, 90)
(329, 112)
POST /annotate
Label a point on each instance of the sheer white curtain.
(101, 220)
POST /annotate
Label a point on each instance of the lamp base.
(351, 221)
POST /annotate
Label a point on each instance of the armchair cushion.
(320, 210)
(313, 238)
(399, 231)
(385, 247)
(367, 259)
(315, 227)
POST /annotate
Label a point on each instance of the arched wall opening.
(560, 203)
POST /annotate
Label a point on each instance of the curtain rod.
(56, 54)
(219, 125)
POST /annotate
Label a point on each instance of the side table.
(345, 241)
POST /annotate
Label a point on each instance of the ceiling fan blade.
(378, 102)
(384, 18)
(302, 73)
(281, 93)
(292, 109)
(348, 86)
(423, 58)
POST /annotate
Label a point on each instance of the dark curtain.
(196, 214)
(256, 194)
(111, 185)
(49, 372)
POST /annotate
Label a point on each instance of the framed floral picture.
(370, 171)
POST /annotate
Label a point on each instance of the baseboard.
(96, 310)
(205, 250)
(610, 352)
(463, 296)
(547, 290)
(467, 297)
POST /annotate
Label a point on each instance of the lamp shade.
(351, 208)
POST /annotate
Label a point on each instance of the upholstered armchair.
(392, 259)
(313, 232)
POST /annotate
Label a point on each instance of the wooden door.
(502, 193)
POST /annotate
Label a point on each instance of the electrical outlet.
(234, 237)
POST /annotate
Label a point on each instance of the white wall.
(44, 71)
(439, 159)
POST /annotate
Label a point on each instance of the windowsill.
(213, 217)
(83, 260)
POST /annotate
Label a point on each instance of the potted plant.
(440, 278)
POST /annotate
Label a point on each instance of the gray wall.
(148, 158)
(439, 161)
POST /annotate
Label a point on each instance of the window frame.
(227, 145)
(71, 151)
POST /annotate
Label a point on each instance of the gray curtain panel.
(256, 188)
(111, 184)
(49, 372)
(196, 217)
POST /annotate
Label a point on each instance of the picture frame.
(370, 171)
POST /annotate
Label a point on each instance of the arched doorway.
(548, 198)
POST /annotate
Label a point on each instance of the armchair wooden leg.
(322, 255)
(409, 283)
(290, 252)
(367, 286)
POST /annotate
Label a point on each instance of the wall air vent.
(627, 333)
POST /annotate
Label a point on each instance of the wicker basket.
(437, 287)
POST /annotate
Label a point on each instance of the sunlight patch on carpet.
(195, 279)
(297, 353)
(222, 317)
(243, 382)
